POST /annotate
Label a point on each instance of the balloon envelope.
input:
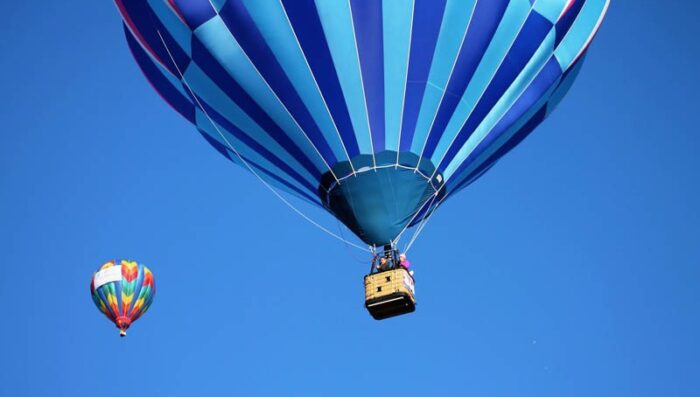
(376, 110)
(123, 291)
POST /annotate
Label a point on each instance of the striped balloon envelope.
(123, 292)
(375, 110)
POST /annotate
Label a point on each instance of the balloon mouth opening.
(378, 198)
(123, 324)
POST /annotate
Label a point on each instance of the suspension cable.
(243, 161)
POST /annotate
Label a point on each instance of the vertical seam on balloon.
(325, 104)
(486, 87)
(535, 75)
(362, 83)
(283, 105)
(595, 30)
(444, 89)
(405, 83)
(285, 201)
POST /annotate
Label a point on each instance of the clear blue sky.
(570, 269)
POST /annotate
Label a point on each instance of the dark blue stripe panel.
(213, 69)
(232, 156)
(564, 24)
(539, 87)
(502, 151)
(195, 12)
(162, 85)
(243, 28)
(254, 145)
(427, 19)
(307, 26)
(367, 20)
(149, 26)
(487, 16)
(534, 31)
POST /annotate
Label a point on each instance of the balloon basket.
(389, 293)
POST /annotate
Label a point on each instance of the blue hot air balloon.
(376, 110)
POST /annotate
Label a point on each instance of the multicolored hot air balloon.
(123, 292)
(376, 110)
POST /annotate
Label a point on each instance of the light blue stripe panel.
(580, 32)
(397, 16)
(205, 124)
(219, 101)
(457, 18)
(271, 19)
(218, 4)
(337, 25)
(217, 38)
(513, 20)
(521, 83)
(176, 27)
(551, 9)
(503, 139)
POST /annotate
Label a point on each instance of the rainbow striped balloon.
(123, 292)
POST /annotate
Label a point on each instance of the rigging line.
(248, 166)
(351, 253)
(422, 227)
(421, 223)
(432, 197)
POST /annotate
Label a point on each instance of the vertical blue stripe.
(573, 42)
(243, 28)
(427, 20)
(564, 24)
(529, 40)
(248, 145)
(338, 28)
(498, 46)
(367, 21)
(275, 27)
(397, 15)
(224, 106)
(309, 31)
(458, 16)
(297, 146)
(532, 100)
(485, 21)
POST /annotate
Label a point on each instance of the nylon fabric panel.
(309, 31)
(245, 32)
(287, 140)
(427, 19)
(367, 22)
(275, 27)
